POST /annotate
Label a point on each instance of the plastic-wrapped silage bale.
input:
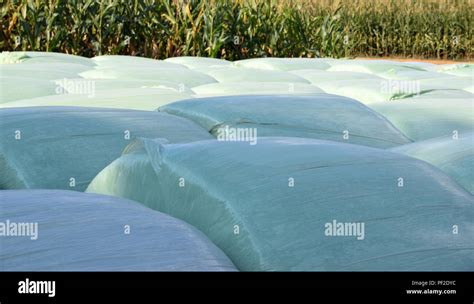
(453, 154)
(16, 88)
(268, 206)
(370, 91)
(43, 71)
(320, 116)
(318, 76)
(240, 74)
(198, 62)
(250, 88)
(187, 77)
(42, 57)
(65, 147)
(122, 62)
(371, 66)
(460, 69)
(141, 98)
(430, 115)
(71, 231)
(284, 64)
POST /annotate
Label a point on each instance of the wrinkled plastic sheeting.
(88, 232)
(144, 98)
(255, 88)
(430, 115)
(453, 154)
(284, 64)
(46, 147)
(268, 206)
(320, 116)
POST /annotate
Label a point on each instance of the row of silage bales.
(73, 231)
(29, 74)
(138, 173)
(267, 206)
(53, 80)
(64, 148)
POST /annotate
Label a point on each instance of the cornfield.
(241, 29)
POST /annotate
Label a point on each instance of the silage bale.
(42, 57)
(251, 88)
(320, 116)
(239, 74)
(89, 232)
(370, 91)
(198, 62)
(430, 115)
(267, 206)
(460, 69)
(43, 71)
(317, 76)
(284, 64)
(147, 98)
(132, 62)
(371, 66)
(16, 88)
(453, 154)
(65, 147)
(182, 76)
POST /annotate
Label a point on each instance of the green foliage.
(241, 28)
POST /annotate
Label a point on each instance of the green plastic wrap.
(42, 57)
(180, 75)
(320, 116)
(453, 154)
(17, 88)
(240, 74)
(71, 231)
(148, 98)
(65, 147)
(198, 62)
(268, 206)
(284, 64)
(430, 115)
(250, 88)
